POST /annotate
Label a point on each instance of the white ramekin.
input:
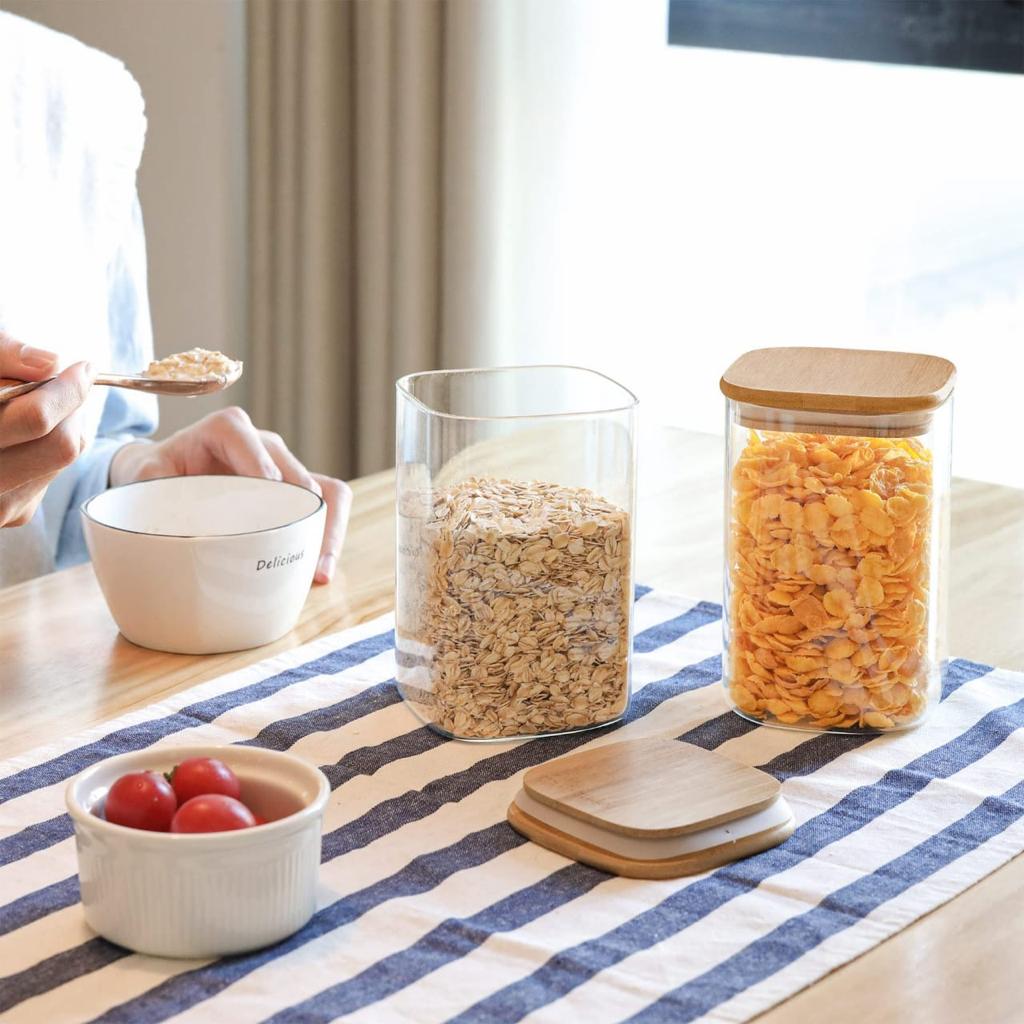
(204, 564)
(210, 894)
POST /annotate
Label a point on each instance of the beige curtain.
(436, 183)
(363, 192)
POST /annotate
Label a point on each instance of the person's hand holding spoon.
(197, 372)
(40, 433)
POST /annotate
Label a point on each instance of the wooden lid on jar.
(840, 380)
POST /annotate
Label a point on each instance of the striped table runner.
(433, 909)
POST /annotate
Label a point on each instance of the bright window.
(806, 201)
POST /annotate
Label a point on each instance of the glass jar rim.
(403, 386)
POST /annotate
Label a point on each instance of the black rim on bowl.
(202, 536)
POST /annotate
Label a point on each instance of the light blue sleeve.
(127, 415)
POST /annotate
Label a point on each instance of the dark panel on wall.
(981, 35)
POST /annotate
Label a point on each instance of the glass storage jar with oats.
(515, 492)
(837, 533)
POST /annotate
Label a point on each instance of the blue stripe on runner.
(369, 760)
(450, 940)
(384, 818)
(641, 591)
(718, 730)
(39, 903)
(286, 732)
(663, 633)
(143, 734)
(33, 838)
(576, 965)
(961, 670)
(841, 910)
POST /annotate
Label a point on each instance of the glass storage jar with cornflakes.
(837, 513)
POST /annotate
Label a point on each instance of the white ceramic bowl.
(204, 564)
(209, 894)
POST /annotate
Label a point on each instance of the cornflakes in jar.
(829, 580)
(836, 533)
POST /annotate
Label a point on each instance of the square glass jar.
(836, 536)
(514, 591)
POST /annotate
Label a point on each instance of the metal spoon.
(137, 382)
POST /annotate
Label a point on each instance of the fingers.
(22, 362)
(43, 458)
(237, 444)
(227, 441)
(335, 493)
(293, 471)
(36, 415)
(19, 505)
(338, 496)
(41, 432)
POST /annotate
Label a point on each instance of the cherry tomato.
(198, 776)
(260, 820)
(141, 800)
(212, 812)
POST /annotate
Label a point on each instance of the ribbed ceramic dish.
(202, 895)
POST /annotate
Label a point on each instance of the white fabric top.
(72, 126)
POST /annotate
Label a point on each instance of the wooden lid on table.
(840, 380)
(651, 808)
(652, 788)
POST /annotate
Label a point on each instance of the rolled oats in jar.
(837, 504)
(515, 581)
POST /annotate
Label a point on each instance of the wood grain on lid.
(651, 787)
(839, 380)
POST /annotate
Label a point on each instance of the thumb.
(22, 362)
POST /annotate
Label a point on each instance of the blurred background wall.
(189, 58)
(340, 192)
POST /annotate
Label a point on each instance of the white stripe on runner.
(655, 608)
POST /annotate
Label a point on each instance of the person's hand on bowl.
(227, 442)
(40, 433)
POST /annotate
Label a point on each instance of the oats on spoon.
(195, 364)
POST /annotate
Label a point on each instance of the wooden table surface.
(64, 667)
